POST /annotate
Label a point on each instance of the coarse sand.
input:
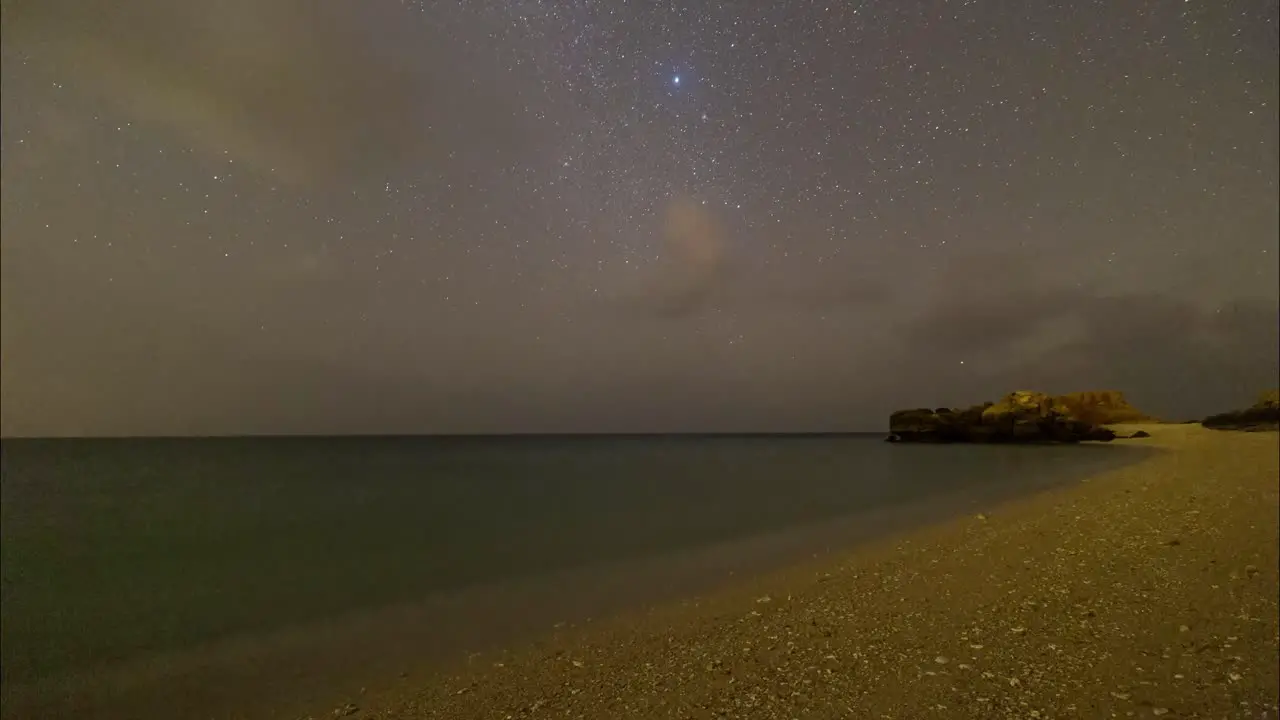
(1149, 591)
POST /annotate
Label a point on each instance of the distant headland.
(1264, 414)
(1027, 416)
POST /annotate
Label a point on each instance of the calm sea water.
(116, 549)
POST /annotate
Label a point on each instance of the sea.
(190, 577)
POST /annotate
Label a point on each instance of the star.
(565, 214)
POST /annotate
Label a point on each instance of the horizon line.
(471, 435)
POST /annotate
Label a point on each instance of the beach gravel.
(1149, 591)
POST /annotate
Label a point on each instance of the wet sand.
(1148, 591)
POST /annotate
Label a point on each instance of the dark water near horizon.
(119, 549)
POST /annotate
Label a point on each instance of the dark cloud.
(1180, 360)
(987, 300)
(1014, 327)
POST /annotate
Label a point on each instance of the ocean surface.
(119, 550)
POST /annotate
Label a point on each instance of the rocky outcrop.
(1268, 399)
(940, 425)
(1262, 415)
(1103, 407)
(1022, 416)
(1137, 434)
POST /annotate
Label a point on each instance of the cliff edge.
(1103, 407)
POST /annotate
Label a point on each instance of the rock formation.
(1263, 415)
(1134, 435)
(1103, 407)
(1022, 416)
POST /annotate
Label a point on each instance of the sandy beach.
(1149, 591)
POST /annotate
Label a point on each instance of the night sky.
(517, 216)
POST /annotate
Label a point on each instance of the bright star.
(676, 80)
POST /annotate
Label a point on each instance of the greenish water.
(120, 549)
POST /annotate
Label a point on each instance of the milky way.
(567, 216)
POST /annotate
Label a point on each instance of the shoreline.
(1149, 590)
(308, 667)
(662, 618)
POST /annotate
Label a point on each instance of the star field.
(569, 216)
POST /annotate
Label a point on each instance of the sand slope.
(1147, 592)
